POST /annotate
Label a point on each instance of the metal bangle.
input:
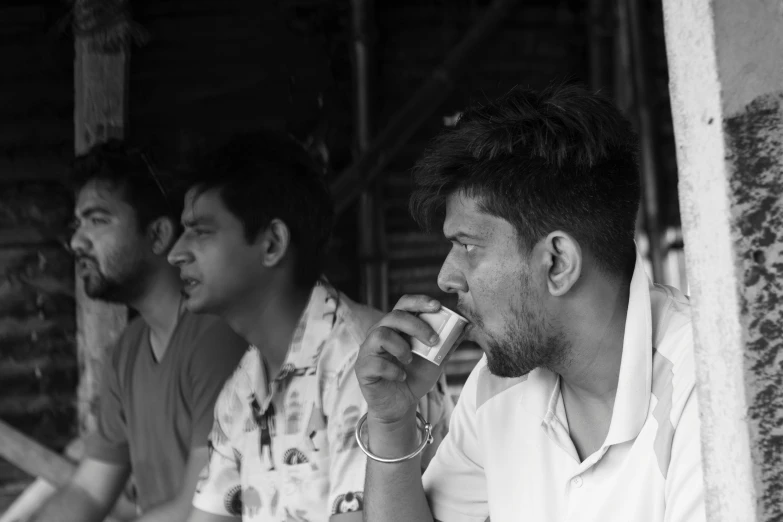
(426, 431)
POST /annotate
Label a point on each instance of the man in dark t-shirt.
(163, 376)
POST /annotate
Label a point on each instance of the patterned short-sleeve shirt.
(283, 449)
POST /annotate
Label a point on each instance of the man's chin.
(195, 304)
(502, 367)
(98, 290)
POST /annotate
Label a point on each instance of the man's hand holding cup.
(391, 377)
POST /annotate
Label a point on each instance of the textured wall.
(726, 67)
(755, 148)
(37, 364)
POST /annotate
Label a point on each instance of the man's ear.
(563, 256)
(275, 240)
(162, 234)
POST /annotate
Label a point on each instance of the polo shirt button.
(577, 481)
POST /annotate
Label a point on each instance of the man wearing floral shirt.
(257, 219)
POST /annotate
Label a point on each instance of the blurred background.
(335, 74)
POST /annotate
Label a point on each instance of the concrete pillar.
(100, 113)
(726, 83)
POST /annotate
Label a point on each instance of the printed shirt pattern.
(283, 449)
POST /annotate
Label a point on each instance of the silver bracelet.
(426, 432)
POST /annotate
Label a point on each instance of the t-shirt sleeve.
(454, 481)
(109, 441)
(219, 487)
(343, 405)
(685, 480)
(216, 354)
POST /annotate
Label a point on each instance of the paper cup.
(449, 327)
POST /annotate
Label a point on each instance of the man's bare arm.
(90, 495)
(394, 491)
(392, 381)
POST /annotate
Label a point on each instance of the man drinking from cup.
(583, 407)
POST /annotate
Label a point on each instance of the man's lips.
(189, 282)
(86, 265)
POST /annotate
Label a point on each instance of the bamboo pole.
(51, 471)
(33, 458)
(423, 104)
(640, 80)
(371, 229)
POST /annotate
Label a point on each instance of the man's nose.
(451, 279)
(179, 254)
(79, 243)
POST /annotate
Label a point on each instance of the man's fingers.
(417, 304)
(380, 369)
(409, 325)
(384, 339)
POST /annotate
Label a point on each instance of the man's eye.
(469, 248)
(99, 221)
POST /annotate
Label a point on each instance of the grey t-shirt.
(151, 413)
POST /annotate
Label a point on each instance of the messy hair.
(560, 159)
(131, 171)
(267, 175)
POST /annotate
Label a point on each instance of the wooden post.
(646, 123)
(33, 458)
(53, 471)
(726, 82)
(100, 113)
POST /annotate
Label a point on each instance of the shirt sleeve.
(215, 357)
(343, 405)
(219, 489)
(454, 482)
(109, 441)
(684, 488)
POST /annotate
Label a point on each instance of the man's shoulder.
(673, 346)
(358, 318)
(671, 309)
(207, 349)
(239, 383)
(353, 321)
(209, 332)
(671, 322)
(128, 343)
(340, 350)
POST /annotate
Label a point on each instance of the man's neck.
(159, 305)
(596, 342)
(590, 377)
(268, 319)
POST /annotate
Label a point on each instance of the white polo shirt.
(509, 455)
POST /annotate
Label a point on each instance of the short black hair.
(131, 171)
(266, 175)
(563, 158)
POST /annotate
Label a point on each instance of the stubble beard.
(529, 340)
(123, 284)
(524, 347)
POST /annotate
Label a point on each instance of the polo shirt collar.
(634, 384)
(542, 395)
